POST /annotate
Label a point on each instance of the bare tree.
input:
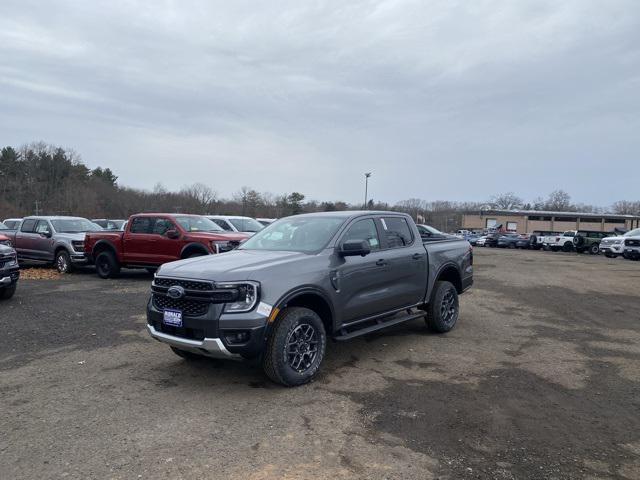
(506, 201)
(559, 201)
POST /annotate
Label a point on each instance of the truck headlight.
(247, 298)
(6, 242)
(78, 245)
(220, 246)
(13, 261)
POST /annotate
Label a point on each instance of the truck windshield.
(633, 233)
(198, 224)
(246, 224)
(302, 234)
(74, 225)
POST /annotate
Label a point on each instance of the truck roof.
(351, 213)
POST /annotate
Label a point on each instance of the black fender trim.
(296, 292)
(194, 246)
(101, 243)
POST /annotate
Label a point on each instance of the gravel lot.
(540, 379)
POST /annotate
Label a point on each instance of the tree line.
(45, 179)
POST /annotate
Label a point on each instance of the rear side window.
(396, 231)
(28, 226)
(142, 225)
(363, 230)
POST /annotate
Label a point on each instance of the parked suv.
(237, 224)
(588, 241)
(613, 246)
(151, 239)
(59, 240)
(632, 247)
(9, 272)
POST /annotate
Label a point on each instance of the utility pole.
(366, 187)
(37, 209)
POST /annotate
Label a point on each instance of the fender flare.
(104, 243)
(442, 268)
(296, 292)
(193, 246)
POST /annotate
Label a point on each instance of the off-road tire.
(62, 262)
(107, 266)
(440, 317)
(7, 292)
(567, 247)
(185, 354)
(594, 249)
(276, 361)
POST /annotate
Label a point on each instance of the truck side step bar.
(349, 332)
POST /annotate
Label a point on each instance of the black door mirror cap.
(353, 248)
(173, 234)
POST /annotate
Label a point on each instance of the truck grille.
(186, 284)
(192, 308)
(632, 243)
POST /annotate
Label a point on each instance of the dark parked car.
(589, 241)
(524, 241)
(9, 272)
(12, 223)
(306, 278)
(507, 240)
(430, 234)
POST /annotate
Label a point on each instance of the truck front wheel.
(107, 265)
(7, 292)
(296, 347)
(443, 310)
(63, 262)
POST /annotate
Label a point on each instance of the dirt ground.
(540, 379)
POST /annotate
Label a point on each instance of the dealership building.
(526, 221)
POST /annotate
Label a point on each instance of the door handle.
(381, 263)
(417, 256)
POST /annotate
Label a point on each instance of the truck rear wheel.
(7, 292)
(296, 347)
(443, 309)
(107, 265)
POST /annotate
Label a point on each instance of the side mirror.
(45, 234)
(353, 248)
(173, 234)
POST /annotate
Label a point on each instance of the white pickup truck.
(559, 242)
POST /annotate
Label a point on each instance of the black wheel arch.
(193, 247)
(310, 297)
(451, 273)
(102, 246)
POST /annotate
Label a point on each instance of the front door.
(167, 249)
(42, 241)
(363, 281)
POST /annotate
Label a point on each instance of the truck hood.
(234, 265)
(70, 236)
(216, 236)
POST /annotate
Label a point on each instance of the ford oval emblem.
(176, 292)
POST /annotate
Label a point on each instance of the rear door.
(25, 245)
(407, 263)
(138, 242)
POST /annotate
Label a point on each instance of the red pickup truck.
(151, 239)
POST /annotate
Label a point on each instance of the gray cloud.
(440, 99)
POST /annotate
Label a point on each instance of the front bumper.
(211, 334)
(9, 277)
(79, 258)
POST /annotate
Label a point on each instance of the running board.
(375, 325)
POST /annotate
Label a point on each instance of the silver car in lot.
(615, 246)
(58, 240)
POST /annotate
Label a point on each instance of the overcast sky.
(442, 99)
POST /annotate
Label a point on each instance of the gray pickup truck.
(303, 279)
(58, 240)
(9, 272)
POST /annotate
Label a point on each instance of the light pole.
(366, 187)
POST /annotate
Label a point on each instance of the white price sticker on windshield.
(264, 309)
